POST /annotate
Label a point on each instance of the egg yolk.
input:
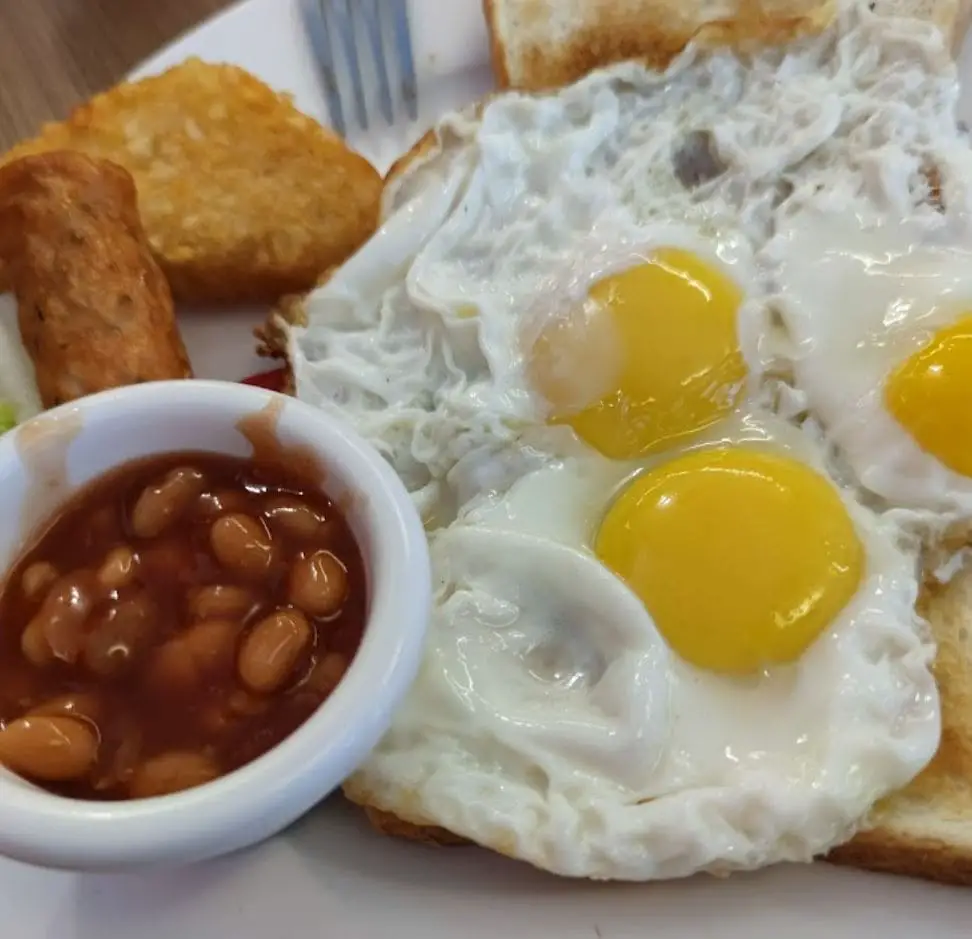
(741, 557)
(930, 395)
(652, 357)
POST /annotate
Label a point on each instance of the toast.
(540, 44)
(926, 829)
(567, 50)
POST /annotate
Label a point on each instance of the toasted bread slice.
(926, 829)
(566, 51)
(242, 196)
(539, 44)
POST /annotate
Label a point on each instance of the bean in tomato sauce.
(177, 619)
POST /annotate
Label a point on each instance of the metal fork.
(346, 33)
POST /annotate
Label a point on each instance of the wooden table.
(55, 53)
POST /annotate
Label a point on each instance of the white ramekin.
(97, 434)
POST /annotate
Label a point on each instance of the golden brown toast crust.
(926, 829)
(425, 144)
(963, 20)
(653, 31)
(388, 824)
(656, 31)
(497, 53)
(927, 858)
(428, 142)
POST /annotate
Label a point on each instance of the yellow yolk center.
(741, 557)
(652, 357)
(930, 395)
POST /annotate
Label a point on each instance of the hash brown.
(242, 196)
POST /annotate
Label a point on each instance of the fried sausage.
(94, 309)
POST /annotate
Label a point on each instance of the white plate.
(330, 876)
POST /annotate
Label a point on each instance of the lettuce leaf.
(8, 416)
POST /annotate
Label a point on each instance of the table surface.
(56, 53)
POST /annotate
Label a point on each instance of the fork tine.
(403, 43)
(350, 42)
(317, 20)
(372, 18)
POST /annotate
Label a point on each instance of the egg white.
(549, 721)
(871, 297)
(434, 371)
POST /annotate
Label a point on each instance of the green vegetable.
(8, 417)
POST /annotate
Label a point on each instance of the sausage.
(94, 309)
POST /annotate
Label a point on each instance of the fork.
(347, 32)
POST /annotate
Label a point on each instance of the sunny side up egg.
(586, 358)
(664, 639)
(881, 329)
(557, 721)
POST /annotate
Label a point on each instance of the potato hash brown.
(242, 196)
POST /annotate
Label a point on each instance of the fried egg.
(585, 357)
(487, 336)
(665, 639)
(881, 324)
(739, 691)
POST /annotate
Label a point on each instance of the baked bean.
(171, 772)
(221, 601)
(57, 630)
(122, 765)
(162, 504)
(52, 749)
(160, 632)
(215, 719)
(34, 644)
(37, 579)
(318, 584)
(213, 504)
(120, 636)
(242, 544)
(290, 516)
(243, 704)
(102, 526)
(172, 668)
(212, 642)
(201, 650)
(222, 715)
(272, 648)
(79, 704)
(326, 673)
(118, 568)
(169, 560)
